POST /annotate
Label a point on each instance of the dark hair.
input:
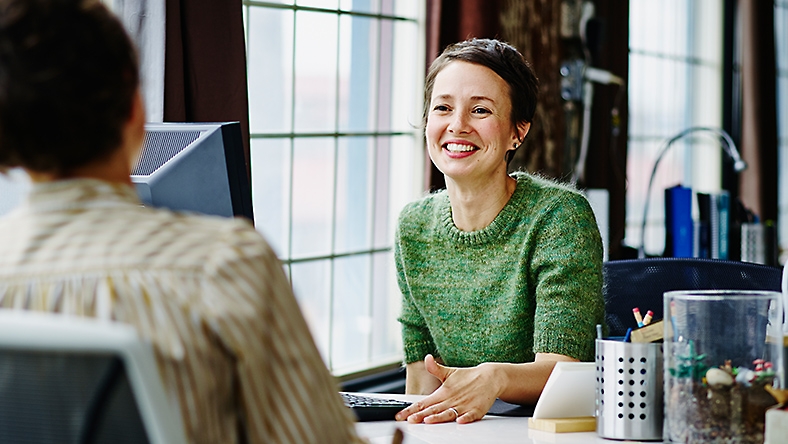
(504, 60)
(68, 78)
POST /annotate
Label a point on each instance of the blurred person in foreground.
(501, 274)
(233, 349)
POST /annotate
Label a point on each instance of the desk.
(497, 429)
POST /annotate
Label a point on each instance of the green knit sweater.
(530, 282)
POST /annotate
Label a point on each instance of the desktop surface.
(497, 429)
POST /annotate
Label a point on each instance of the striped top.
(530, 282)
(232, 346)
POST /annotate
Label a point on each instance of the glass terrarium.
(722, 356)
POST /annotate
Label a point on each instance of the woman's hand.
(464, 395)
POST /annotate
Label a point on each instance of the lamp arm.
(728, 147)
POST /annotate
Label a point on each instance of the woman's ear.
(522, 130)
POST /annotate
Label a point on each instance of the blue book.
(678, 222)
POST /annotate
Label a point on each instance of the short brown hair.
(504, 60)
(68, 78)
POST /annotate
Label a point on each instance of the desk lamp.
(728, 146)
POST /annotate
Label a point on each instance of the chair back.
(80, 380)
(642, 283)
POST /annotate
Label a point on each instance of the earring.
(514, 145)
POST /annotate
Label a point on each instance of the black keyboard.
(367, 408)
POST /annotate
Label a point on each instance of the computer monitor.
(196, 167)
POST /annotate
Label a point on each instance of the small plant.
(690, 366)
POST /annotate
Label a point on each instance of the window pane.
(386, 339)
(311, 287)
(316, 72)
(369, 6)
(405, 87)
(781, 35)
(352, 322)
(406, 8)
(271, 191)
(354, 193)
(358, 73)
(782, 107)
(385, 75)
(660, 27)
(313, 196)
(652, 112)
(383, 202)
(406, 175)
(270, 70)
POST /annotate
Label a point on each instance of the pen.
(638, 318)
(627, 335)
(647, 318)
(599, 331)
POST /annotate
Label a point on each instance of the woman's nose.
(459, 123)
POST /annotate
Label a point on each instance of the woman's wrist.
(498, 377)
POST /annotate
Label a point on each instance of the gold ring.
(456, 413)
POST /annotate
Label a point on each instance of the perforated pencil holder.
(629, 401)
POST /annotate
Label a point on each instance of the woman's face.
(469, 127)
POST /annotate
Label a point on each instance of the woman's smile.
(457, 150)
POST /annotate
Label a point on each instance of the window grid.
(373, 141)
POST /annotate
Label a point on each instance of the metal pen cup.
(629, 400)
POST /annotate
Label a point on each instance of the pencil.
(638, 317)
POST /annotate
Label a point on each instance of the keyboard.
(367, 408)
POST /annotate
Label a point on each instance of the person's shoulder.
(205, 238)
(549, 191)
(418, 218)
(424, 207)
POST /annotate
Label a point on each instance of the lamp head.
(739, 165)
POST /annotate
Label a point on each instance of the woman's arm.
(472, 391)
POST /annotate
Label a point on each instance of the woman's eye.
(481, 111)
(440, 108)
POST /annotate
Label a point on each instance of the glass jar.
(722, 348)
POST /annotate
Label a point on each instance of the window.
(781, 46)
(675, 82)
(335, 101)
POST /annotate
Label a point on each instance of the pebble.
(720, 377)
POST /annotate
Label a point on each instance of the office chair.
(642, 282)
(78, 380)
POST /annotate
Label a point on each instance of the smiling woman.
(496, 288)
